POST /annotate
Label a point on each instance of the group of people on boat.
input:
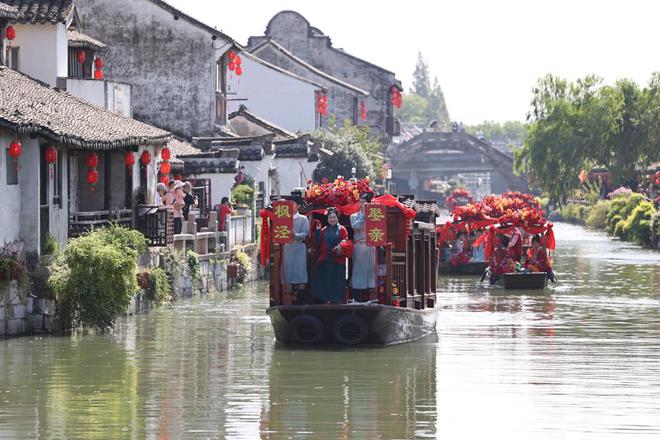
(461, 250)
(509, 255)
(334, 247)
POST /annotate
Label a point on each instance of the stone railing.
(239, 232)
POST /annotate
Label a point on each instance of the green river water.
(579, 361)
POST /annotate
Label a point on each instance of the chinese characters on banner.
(376, 224)
(283, 221)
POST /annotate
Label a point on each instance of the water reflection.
(366, 393)
(579, 360)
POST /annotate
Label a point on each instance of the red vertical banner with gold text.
(282, 221)
(376, 224)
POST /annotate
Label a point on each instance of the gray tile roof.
(42, 11)
(180, 147)
(10, 12)
(281, 133)
(31, 107)
(78, 39)
(278, 47)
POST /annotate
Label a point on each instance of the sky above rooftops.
(487, 54)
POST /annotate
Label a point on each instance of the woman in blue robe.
(329, 277)
(295, 257)
(364, 257)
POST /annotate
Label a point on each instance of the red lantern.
(80, 56)
(51, 155)
(92, 160)
(231, 54)
(165, 168)
(98, 74)
(238, 60)
(98, 63)
(232, 66)
(239, 71)
(165, 154)
(92, 177)
(15, 149)
(10, 33)
(165, 180)
(145, 158)
(129, 159)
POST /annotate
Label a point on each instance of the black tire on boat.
(306, 329)
(350, 330)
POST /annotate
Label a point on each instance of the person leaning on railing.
(224, 209)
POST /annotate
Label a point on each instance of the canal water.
(580, 360)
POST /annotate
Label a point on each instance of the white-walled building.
(88, 178)
(275, 94)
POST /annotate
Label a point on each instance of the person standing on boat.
(295, 257)
(364, 257)
(329, 277)
(515, 247)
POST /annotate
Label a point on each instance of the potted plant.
(242, 196)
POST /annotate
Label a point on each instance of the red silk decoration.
(347, 248)
(265, 235)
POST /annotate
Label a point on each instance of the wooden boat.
(409, 262)
(351, 324)
(530, 280)
(472, 268)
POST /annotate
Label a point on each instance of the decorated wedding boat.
(404, 307)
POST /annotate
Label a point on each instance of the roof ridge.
(256, 59)
(163, 4)
(243, 110)
(47, 118)
(291, 55)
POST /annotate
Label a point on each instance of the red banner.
(282, 230)
(375, 224)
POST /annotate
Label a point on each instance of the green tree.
(414, 109)
(426, 101)
(437, 104)
(574, 126)
(351, 146)
(421, 79)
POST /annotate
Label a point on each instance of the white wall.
(290, 174)
(220, 185)
(10, 196)
(87, 89)
(29, 200)
(43, 51)
(273, 95)
(112, 96)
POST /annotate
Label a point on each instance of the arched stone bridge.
(423, 165)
